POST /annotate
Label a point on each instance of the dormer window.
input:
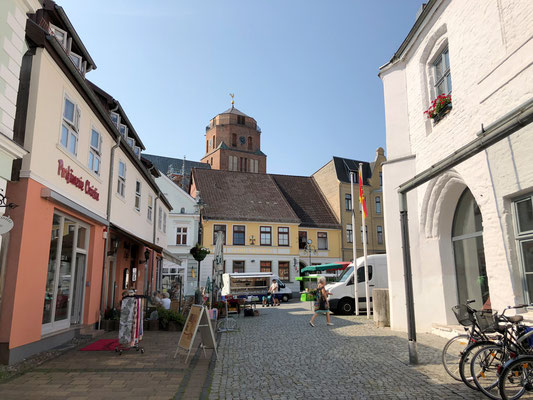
(123, 130)
(137, 151)
(115, 118)
(76, 60)
(131, 142)
(240, 119)
(59, 34)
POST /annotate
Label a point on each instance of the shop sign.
(67, 173)
(6, 224)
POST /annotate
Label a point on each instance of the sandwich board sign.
(198, 320)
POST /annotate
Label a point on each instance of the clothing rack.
(130, 332)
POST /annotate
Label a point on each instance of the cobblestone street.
(277, 355)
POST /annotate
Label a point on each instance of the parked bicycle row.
(495, 355)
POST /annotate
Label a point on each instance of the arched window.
(182, 211)
(250, 143)
(378, 205)
(467, 239)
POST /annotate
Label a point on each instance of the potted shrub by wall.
(441, 106)
(170, 320)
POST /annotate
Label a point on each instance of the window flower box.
(441, 106)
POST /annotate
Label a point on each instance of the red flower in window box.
(439, 107)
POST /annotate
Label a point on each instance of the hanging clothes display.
(131, 323)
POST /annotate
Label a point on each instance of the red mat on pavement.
(102, 345)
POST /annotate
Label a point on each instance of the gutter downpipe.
(106, 246)
(153, 241)
(495, 132)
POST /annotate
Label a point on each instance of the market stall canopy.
(325, 267)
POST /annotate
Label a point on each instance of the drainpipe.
(105, 272)
(153, 240)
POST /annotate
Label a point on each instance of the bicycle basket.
(487, 320)
(464, 317)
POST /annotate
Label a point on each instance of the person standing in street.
(273, 292)
(321, 302)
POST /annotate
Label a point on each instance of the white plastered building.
(471, 226)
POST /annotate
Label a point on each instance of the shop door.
(69, 241)
(78, 290)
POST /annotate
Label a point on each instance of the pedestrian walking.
(273, 292)
(321, 302)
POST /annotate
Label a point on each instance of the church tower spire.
(233, 142)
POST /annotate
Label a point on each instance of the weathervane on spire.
(232, 99)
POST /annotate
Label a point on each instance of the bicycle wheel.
(516, 380)
(451, 355)
(485, 368)
(466, 359)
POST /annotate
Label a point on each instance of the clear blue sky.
(306, 70)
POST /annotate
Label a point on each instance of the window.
(266, 266)
(131, 142)
(121, 186)
(378, 205)
(523, 211)
(366, 229)
(240, 119)
(322, 240)
(302, 239)
(76, 60)
(181, 235)
(233, 163)
(137, 195)
(137, 152)
(380, 179)
(234, 139)
(238, 235)
(150, 208)
(266, 236)
(283, 236)
(123, 129)
(160, 218)
(468, 251)
(243, 167)
(255, 166)
(283, 271)
(361, 274)
(182, 210)
(349, 233)
(164, 222)
(238, 266)
(348, 202)
(70, 126)
(380, 234)
(250, 144)
(59, 34)
(211, 143)
(211, 160)
(115, 118)
(94, 152)
(219, 228)
(441, 70)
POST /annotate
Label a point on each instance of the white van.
(242, 285)
(341, 299)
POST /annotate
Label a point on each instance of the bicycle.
(516, 378)
(454, 349)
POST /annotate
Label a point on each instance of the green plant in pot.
(170, 320)
(199, 253)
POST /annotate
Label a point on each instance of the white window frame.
(73, 127)
(318, 241)
(521, 237)
(138, 197)
(54, 28)
(150, 209)
(121, 180)
(117, 115)
(377, 202)
(125, 133)
(349, 233)
(131, 142)
(283, 233)
(137, 151)
(95, 152)
(440, 57)
(72, 55)
(379, 232)
(182, 235)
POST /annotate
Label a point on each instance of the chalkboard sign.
(198, 319)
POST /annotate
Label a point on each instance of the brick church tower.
(233, 143)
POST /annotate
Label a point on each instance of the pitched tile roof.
(307, 201)
(242, 196)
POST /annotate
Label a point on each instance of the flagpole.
(363, 227)
(356, 294)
